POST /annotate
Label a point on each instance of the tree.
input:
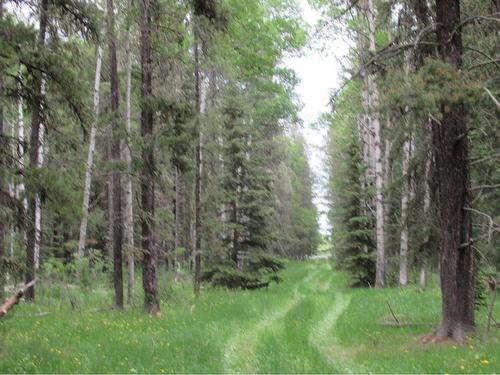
(200, 99)
(149, 249)
(2, 146)
(36, 157)
(373, 115)
(353, 242)
(90, 155)
(405, 195)
(114, 192)
(450, 140)
(129, 206)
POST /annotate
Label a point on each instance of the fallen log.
(16, 297)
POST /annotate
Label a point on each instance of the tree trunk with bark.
(200, 108)
(452, 175)
(149, 279)
(20, 187)
(364, 129)
(405, 188)
(423, 274)
(3, 146)
(115, 216)
(129, 197)
(90, 155)
(374, 116)
(405, 197)
(36, 158)
(181, 223)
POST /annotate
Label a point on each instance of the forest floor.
(310, 323)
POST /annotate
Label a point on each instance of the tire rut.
(325, 341)
(239, 351)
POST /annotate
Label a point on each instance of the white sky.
(319, 73)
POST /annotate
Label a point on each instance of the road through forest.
(311, 322)
(289, 327)
(256, 347)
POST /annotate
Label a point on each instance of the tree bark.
(364, 129)
(453, 181)
(150, 282)
(373, 103)
(178, 226)
(36, 159)
(181, 231)
(405, 188)
(427, 212)
(3, 146)
(129, 206)
(405, 193)
(115, 216)
(20, 187)
(90, 155)
(200, 107)
(423, 274)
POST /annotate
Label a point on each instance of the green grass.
(310, 323)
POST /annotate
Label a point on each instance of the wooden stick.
(492, 97)
(392, 312)
(494, 321)
(402, 325)
(16, 297)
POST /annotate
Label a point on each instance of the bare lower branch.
(485, 187)
(486, 158)
(497, 103)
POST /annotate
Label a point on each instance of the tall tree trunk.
(36, 158)
(373, 102)
(405, 188)
(178, 226)
(451, 147)
(387, 166)
(364, 129)
(200, 107)
(180, 219)
(234, 220)
(427, 205)
(423, 274)
(90, 155)
(129, 206)
(3, 147)
(20, 188)
(19, 157)
(405, 197)
(115, 216)
(422, 13)
(149, 279)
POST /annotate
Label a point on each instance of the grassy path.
(325, 341)
(275, 330)
(309, 323)
(240, 355)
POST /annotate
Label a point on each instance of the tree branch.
(497, 103)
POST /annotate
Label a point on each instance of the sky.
(319, 73)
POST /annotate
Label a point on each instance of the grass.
(310, 323)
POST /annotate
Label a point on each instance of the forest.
(159, 197)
